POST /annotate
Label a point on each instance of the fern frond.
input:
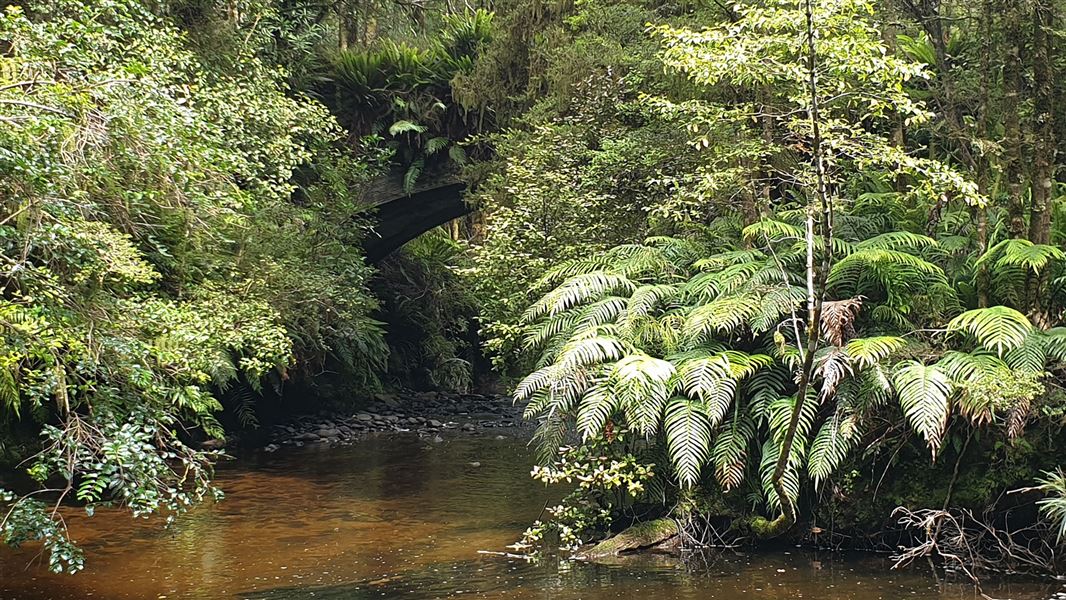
(597, 406)
(867, 351)
(577, 290)
(688, 438)
(721, 316)
(1023, 254)
(1031, 356)
(641, 383)
(730, 451)
(997, 328)
(897, 240)
(964, 367)
(778, 303)
(831, 445)
(583, 352)
(644, 299)
(771, 450)
(772, 231)
(925, 396)
(710, 381)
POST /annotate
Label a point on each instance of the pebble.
(390, 412)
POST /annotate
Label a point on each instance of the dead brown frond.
(838, 320)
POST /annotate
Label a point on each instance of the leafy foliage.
(168, 231)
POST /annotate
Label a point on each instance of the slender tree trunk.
(929, 16)
(1043, 124)
(983, 167)
(1012, 132)
(899, 131)
(1043, 175)
(819, 215)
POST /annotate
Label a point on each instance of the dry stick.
(815, 285)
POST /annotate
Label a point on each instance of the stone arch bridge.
(399, 216)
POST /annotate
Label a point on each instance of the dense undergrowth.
(794, 263)
(176, 233)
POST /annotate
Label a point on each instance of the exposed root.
(977, 546)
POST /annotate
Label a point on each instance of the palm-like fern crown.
(695, 346)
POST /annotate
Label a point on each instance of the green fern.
(925, 396)
(688, 437)
(998, 328)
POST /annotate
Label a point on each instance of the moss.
(639, 536)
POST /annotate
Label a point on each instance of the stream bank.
(429, 414)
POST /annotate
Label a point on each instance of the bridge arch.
(400, 217)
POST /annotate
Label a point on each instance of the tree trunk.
(1043, 124)
(1012, 133)
(983, 166)
(820, 215)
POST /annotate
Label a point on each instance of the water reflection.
(403, 518)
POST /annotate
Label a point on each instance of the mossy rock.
(638, 537)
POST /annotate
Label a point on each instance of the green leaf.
(925, 396)
(997, 328)
(688, 438)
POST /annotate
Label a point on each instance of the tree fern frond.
(681, 252)
(730, 451)
(867, 351)
(1055, 343)
(965, 367)
(925, 396)
(583, 352)
(997, 328)
(772, 231)
(576, 290)
(597, 406)
(644, 299)
(1023, 254)
(778, 303)
(780, 412)
(1031, 356)
(722, 260)
(831, 445)
(709, 380)
(641, 383)
(721, 316)
(896, 240)
(701, 288)
(771, 450)
(688, 438)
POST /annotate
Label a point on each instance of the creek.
(398, 516)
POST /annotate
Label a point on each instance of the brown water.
(403, 518)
